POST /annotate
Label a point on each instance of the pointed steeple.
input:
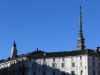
(14, 50)
(14, 43)
(80, 39)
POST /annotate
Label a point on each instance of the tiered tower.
(80, 39)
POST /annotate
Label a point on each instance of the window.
(54, 73)
(63, 59)
(30, 60)
(34, 60)
(53, 59)
(80, 63)
(44, 65)
(63, 64)
(81, 72)
(44, 60)
(63, 73)
(44, 73)
(53, 65)
(80, 57)
(18, 63)
(72, 58)
(73, 64)
(93, 72)
(93, 58)
(72, 73)
(34, 73)
(99, 64)
(14, 65)
(34, 65)
(10, 68)
(0, 71)
(99, 72)
(93, 63)
(22, 61)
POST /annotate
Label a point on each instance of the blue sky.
(50, 25)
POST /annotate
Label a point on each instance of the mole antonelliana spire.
(80, 39)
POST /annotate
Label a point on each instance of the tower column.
(14, 50)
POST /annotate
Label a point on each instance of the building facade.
(80, 62)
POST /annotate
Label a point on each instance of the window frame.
(62, 64)
(73, 64)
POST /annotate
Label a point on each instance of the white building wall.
(87, 65)
(95, 67)
(58, 60)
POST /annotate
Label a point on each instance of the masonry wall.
(78, 68)
(93, 65)
(83, 65)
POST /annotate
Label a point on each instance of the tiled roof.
(58, 54)
(13, 58)
(41, 54)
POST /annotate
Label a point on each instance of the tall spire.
(80, 40)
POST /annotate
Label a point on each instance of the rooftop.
(42, 54)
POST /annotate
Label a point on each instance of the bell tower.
(14, 50)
